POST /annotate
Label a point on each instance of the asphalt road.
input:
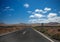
(26, 35)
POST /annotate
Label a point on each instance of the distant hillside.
(46, 24)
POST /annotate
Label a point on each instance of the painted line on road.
(24, 32)
(43, 35)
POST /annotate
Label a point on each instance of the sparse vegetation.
(56, 36)
(6, 29)
(52, 32)
(59, 30)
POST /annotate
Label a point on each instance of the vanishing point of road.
(26, 35)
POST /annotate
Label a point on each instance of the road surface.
(26, 35)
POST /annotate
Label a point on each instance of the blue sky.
(29, 11)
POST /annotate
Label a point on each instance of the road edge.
(43, 35)
(7, 33)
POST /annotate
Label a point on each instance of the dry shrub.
(56, 36)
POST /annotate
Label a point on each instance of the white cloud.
(36, 16)
(59, 12)
(47, 9)
(33, 12)
(26, 5)
(7, 8)
(38, 10)
(55, 19)
(29, 11)
(39, 16)
(50, 15)
(31, 16)
(38, 21)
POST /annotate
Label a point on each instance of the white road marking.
(43, 35)
(24, 32)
